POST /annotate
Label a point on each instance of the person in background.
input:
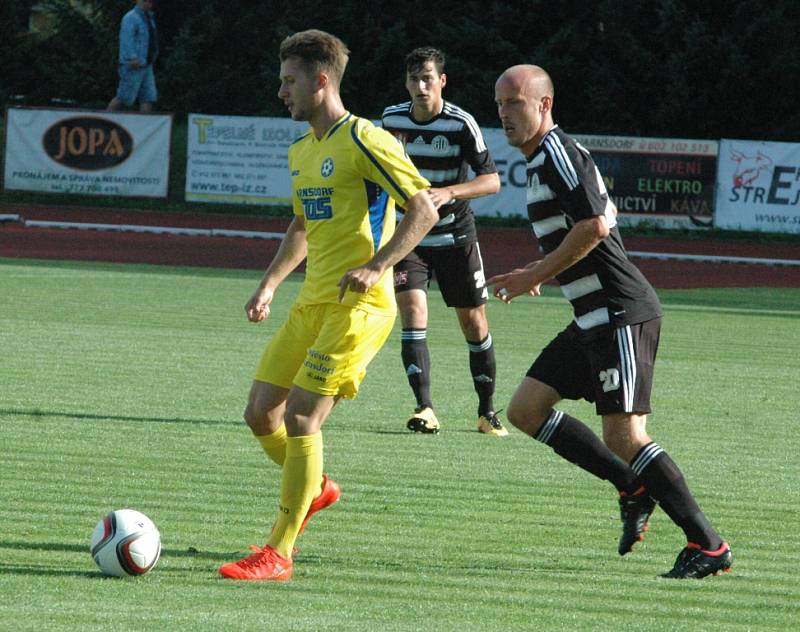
(445, 143)
(138, 51)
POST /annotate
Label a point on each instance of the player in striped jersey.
(445, 143)
(607, 352)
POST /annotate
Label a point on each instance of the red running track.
(502, 248)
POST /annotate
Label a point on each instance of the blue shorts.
(137, 85)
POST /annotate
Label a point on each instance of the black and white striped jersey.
(443, 149)
(564, 186)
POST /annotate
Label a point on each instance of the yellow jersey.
(345, 187)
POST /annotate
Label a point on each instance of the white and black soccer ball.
(125, 542)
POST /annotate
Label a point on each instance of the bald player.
(606, 353)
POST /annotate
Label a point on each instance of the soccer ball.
(125, 542)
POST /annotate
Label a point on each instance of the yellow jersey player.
(347, 176)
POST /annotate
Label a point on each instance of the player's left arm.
(419, 218)
(582, 238)
(591, 210)
(477, 156)
(384, 161)
(484, 184)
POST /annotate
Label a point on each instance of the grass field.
(122, 386)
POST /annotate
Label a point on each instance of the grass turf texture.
(122, 386)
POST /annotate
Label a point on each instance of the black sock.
(574, 441)
(417, 363)
(665, 482)
(483, 367)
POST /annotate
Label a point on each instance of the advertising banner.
(240, 159)
(87, 152)
(511, 200)
(243, 160)
(759, 186)
(667, 182)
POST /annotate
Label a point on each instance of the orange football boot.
(330, 494)
(263, 565)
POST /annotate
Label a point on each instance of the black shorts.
(611, 367)
(459, 272)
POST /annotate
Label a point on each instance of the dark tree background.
(675, 68)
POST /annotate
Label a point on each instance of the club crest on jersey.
(440, 144)
(327, 167)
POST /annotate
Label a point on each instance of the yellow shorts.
(324, 349)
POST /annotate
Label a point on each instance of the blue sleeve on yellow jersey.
(392, 168)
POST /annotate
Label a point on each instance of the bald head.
(524, 97)
(529, 80)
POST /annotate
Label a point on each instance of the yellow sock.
(302, 472)
(274, 444)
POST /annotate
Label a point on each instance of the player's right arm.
(292, 251)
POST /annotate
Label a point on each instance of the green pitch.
(122, 386)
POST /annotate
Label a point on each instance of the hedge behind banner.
(677, 69)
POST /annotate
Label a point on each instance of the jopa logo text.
(87, 143)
